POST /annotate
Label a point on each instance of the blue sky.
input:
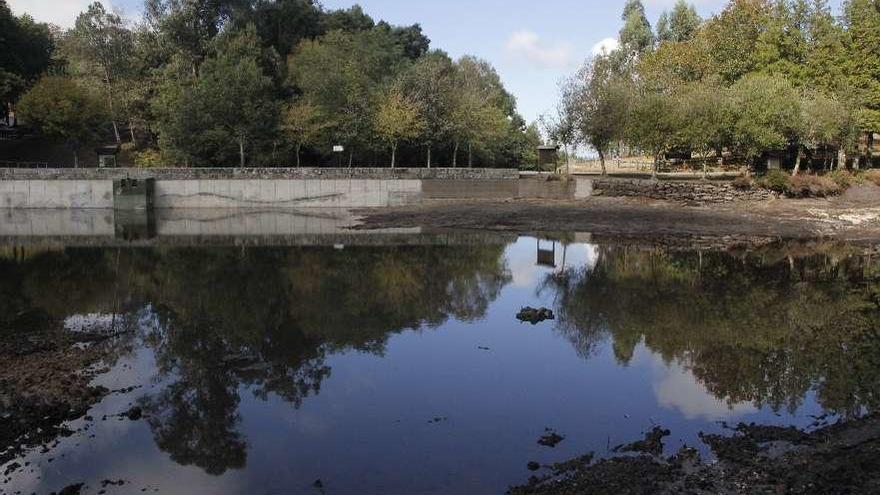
(532, 44)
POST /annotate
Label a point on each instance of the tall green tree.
(342, 72)
(431, 83)
(862, 20)
(733, 36)
(782, 47)
(706, 116)
(397, 119)
(653, 125)
(27, 52)
(106, 47)
(62, 109)
(601, 104)
(768, 114)
(304, 123)
(225, 111)
(680, 25)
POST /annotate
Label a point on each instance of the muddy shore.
(836, 459)
(853, 217)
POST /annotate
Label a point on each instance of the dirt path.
(853, 217)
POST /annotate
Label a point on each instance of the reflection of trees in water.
(761, 327)
(259, 318)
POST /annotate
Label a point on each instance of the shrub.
(776, 181)
(148, 159)
(872, 175)
(842, 178)
(743, 183)
(812, 186)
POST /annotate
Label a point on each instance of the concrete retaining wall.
(278, 188)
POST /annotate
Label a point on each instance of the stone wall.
(161, 174)
(685, 191)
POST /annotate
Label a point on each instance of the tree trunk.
(470, 157)
(797, 163)
(350, 158)
(656, 166)
(455, 156)
(75, 158)
(393, 155)
(841, 159)
(705, 167)
(601, 161)
(241, 152)
(131, 131)
(429, 157)
(298, 148)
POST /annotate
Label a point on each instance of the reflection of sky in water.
(369, 430)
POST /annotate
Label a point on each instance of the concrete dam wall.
(276, 188)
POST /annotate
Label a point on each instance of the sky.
(532, 44)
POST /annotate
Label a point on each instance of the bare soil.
(854, 216)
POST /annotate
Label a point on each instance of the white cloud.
(59, 12)
(528, 45)
(605, 47)
(676, 387)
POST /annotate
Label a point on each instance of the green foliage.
(148, 159)
(225, 111)
(27, 48)
(62, 109)
(862, 18)
(304, 124)
(680, 25)
(653, 123)
(600, 102)
(776, 181)
(733, 37)
(769, 115)
(398, 119)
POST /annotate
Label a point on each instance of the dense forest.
(782, 77)
(258, 83)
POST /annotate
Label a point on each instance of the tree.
(733, 36)
(398, 119)
(827, 124)
(62, 109)
(636, 36)
(706, 118)
(680, 25)
(782, 47)
(107, 46)
(674, 63)
(430, 82)
(862, 20)
(27, 52)
(653, 125)
(768, 114)
(304, 123)
(227, 108)
(341, 72)
(561, 125)
(826, 54)
(601, 102)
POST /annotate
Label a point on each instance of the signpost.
(338, 149)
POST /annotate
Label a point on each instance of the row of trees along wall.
(782, 77)
(221, 82)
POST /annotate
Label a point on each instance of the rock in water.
(535, 316)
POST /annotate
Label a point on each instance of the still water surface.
(402, 369)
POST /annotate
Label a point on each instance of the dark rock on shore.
(652, 444)
(843, 458)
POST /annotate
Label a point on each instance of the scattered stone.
(134, 414)
(535, 315)
(533, 466)
(652, 444)
(550, 439)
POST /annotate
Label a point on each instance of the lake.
(401, 368)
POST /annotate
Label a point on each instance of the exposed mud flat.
(855, 216)
(842, 458)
